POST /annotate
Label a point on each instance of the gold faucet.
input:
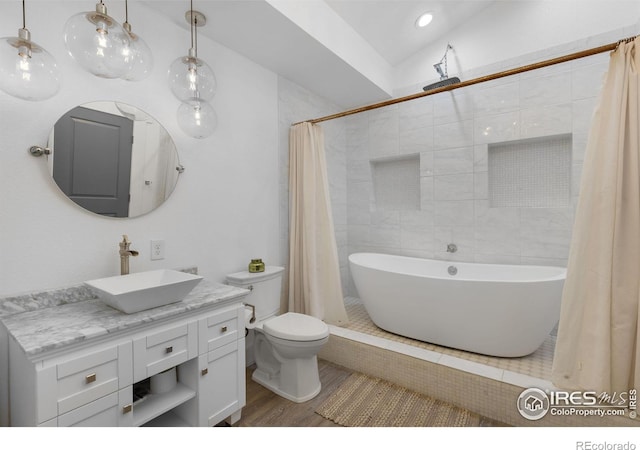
(125, 252)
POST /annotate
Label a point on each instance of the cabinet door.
(222, 383)
(113, 410)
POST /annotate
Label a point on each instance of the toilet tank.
(265, 288)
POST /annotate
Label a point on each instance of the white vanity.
(87, 364)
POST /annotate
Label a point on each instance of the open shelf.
(154, 405)
(168, 419)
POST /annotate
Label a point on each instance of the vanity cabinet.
(222, 354)
(93, 383)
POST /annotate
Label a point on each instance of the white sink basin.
(144, 290)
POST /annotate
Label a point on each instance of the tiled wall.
(451, 133)
(530, 173)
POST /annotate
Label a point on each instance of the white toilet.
(285, 345)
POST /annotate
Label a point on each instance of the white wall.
(224, 209)
(505, 31)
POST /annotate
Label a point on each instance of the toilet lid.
(296, 327)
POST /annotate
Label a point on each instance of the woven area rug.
(363, 401)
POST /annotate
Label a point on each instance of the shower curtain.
(314, 272)
(598, 341)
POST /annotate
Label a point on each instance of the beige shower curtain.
(314, 271)
(598, 341)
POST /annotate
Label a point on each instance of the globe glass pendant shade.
(98, 43)
(191, 79)
(197, 119)
(27, 71)
(139, 57)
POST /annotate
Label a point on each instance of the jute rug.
(363, 401)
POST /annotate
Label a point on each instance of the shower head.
(441, 83)
(444, 75)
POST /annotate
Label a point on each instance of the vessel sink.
(144, 290)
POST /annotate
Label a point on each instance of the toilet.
(285, 346)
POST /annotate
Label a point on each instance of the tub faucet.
(452, 248)
(125, 252)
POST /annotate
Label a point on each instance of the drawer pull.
(204, 371)
(127, 408)
(90, 378)
(169, 349)
(224, 329)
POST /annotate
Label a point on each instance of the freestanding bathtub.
(493, 309)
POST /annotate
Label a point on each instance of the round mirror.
(113, 159)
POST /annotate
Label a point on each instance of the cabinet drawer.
(220, 329)
(65, 383)
(163, 349)
(86, 378)
(113, 410)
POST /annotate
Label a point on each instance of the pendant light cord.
(24, 21)
(195, 25)
(126, 11)
(191, 24)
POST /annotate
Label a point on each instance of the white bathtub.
(493, 309)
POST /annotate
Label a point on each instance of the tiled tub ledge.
(485, 385)
(483, 370)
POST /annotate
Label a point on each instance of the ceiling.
(262, 33)
(389, 26)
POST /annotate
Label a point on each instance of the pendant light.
(139, 56)
(27, 71)
(98, 43)
(197, 119)
(192, 81)
(190, 78)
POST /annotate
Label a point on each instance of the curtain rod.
(451, 87)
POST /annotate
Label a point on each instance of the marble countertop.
(81, 316)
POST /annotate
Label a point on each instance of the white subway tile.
(454, 213)
(497, 127)
(546, 120)
(545, 90)
(497, 241)
(497, 99)
(426, 164)
(453, 135)
(452, 161)
(453, 187)
(416, 140)
(480, 158)
(480, 186)
(587, 81)
(453, 106)
(544, 243)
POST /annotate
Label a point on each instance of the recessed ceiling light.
(424, 20)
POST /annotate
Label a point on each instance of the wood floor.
(266, 409)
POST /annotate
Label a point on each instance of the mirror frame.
(96, 151)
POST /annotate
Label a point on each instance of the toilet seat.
(296, 327)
